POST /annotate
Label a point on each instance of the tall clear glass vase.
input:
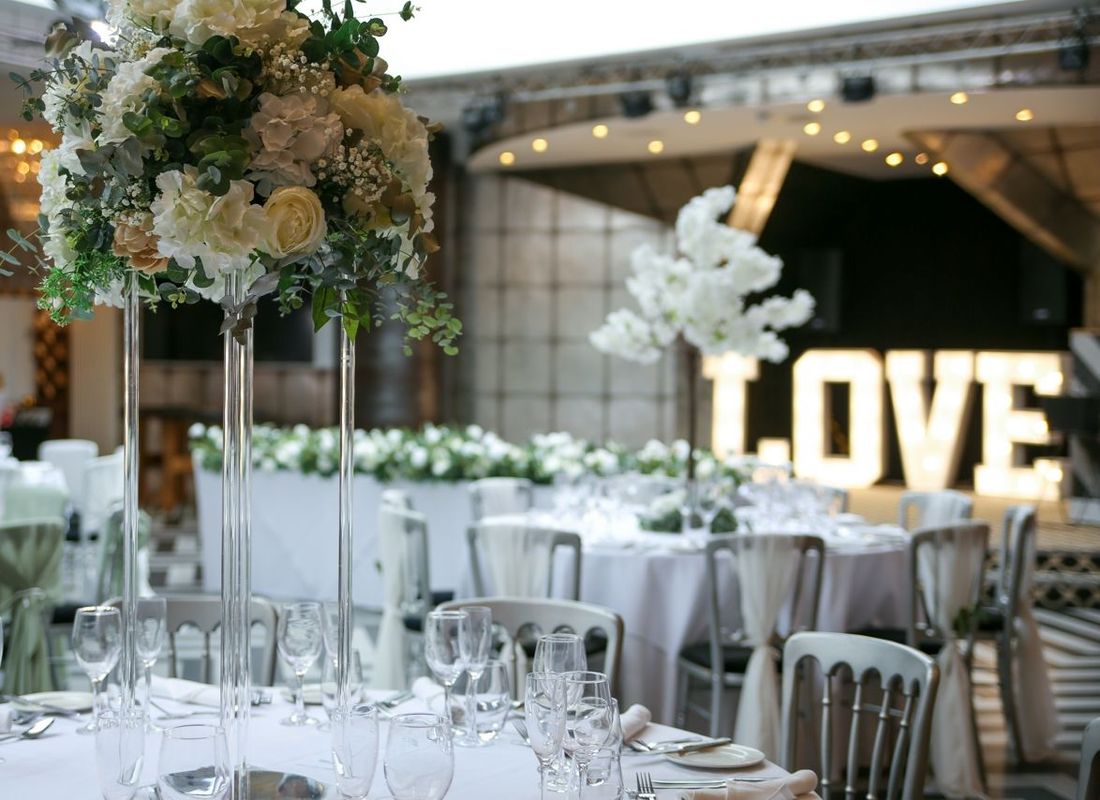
(346, 513)
(236, 653)
(131, 354)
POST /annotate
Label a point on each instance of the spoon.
(33, 732)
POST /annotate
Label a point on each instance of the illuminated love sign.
(930, 424)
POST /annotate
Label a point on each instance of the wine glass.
(544, 710)
(354, 749)
(97, 643)
(299, 643)
(589, 716)
(474, 647)
(420, 758)
(194, 763)
(152, 614)
(444, 632)
(559, 652)
(492, 693)
(119, 752)
(329, 686)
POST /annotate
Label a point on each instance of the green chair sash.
(111, 564)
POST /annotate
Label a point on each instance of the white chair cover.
(70, 456)
(766, 572)
(1034, 698)
(391, 658)
(947, 573)
(102, 484)
(517, 558)
(936, 509)
(495, 497)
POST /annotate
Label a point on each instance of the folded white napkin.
(426, 689)
(634, 720)
(792, 786)
(193, 692)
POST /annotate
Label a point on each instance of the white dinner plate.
(70, 701)
(728, 756)
(311, 692)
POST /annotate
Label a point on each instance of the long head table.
(61, 764)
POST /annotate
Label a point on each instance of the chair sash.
(947, 571)
(27, 662)
(391, 662)
(940, 508)
(518, 559)
(112, 557)
(30, 576)
(1034, 697)
(766, 572)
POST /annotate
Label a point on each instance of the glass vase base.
(304, 721)
(263, 784)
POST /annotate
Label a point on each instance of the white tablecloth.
(294, 534)
(62, 764)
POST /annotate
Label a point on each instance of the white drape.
(766, 571)
(390, 666)
(500, 496)
(941, 508)
(517, 558)
(947, 573)
(1034, 697)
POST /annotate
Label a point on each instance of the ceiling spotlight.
(680, 87)
(816, 106)
(960, 98)
(940, 168)
(540, 145)
(636, 103)
(921, 158)
(869, 145)
(1025, 115)
(693, 116)
(857, 89)
(656, 146)
(480, 116)
(842, 137)
(1073, 50)
(507, 158)
(811, 128)
(600, 131)
(895, 159)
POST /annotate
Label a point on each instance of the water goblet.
(299, 643)
(152, 614)
(444, 632)
(544, 710)
(560, 653)
(492, 695)
(354, 749)
(474, 647)
(605, 773)
(119, 752)
(194, 763)
(97, 643)
(588, 720)
(420, 759)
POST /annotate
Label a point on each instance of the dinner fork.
(645, 787)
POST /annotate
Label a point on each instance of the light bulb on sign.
(730, 373)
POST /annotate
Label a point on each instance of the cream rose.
(295, 222)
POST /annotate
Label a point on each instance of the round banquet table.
(659, 586)
(61, 764)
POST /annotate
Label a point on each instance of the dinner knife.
(35, 704)
(694, 747)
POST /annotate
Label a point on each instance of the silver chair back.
(933, 509)
(1088, 779)
(407, 535)
(523, 620)
(396, 498)
(70, 456)
(485, 537)
(494, 497)
(908, 681)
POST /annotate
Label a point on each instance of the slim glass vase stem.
(131, 348)
(347, 473)
(236, 661)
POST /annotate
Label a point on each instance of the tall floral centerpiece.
(707, 297)
(229, 150)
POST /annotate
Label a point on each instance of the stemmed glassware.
(328, 683)
(194, 763)
(119, 752)
(474, 647)
(97, 643)
(420, 758)
(560, 653)
(444, 635)
(492, 692)
(152, 614)
(589, 716)
(354, 749)
(544, 709)
(299, 643)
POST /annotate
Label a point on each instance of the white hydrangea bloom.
(123, 94)
(198, 20)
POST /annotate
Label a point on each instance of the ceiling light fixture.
(869, 145)
(636, 103)
(656, 146)
(693, 116)
(895, 159)
(816, 106)
(940, 168)
(507, 158)
(960, 98)
(857, 89)
(921, 158)
(540, 145)
(842, 137)
(1025, 115)
(811, 128)
(680, 87)
(600, 131)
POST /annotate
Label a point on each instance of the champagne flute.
(544, 710)
(588, 721)
(474, 647)
(355, 749)
(444, 632)
(560, 653)
(152, 614)
(97, 643)
(420, 757)
(299, 643)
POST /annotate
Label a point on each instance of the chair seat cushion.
(415, 622)
(735, 657)
(929, 647)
